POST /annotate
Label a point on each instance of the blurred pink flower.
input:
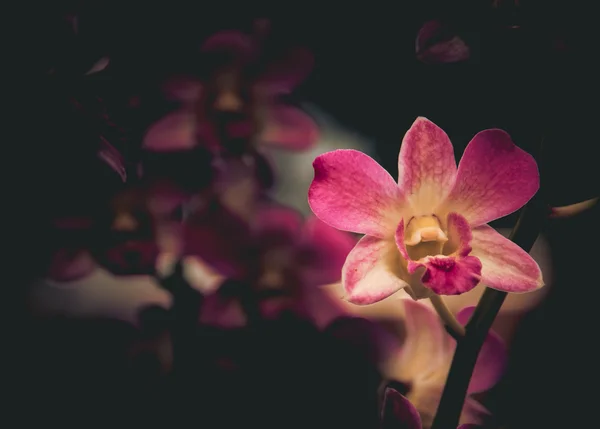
(428, 233)
(246, 90)
(399, 412)
(437, 43)
(275, 242)
(312, 246)
(425, 360)
(142, 222)
(279, 255)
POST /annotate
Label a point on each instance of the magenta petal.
(352, 192)
(185, 89)
(222, 240)
(448, 275)
(233, 42)
(283, 75)
(474, 413)
(398, 412)
(331, 247)
(175, 131)
(459, 234)
(426, 166)
(495, 178)
(506, 266)
(492, 359)
(399, 237)
(370, 273)
(289, 127)
(469, 426)
(437, 44)
(279, 219)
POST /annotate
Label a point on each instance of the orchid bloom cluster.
(194, 191)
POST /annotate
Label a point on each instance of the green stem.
(452, 325)
(524, 234)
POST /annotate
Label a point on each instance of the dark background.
(537, 81)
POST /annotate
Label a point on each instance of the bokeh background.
(531, 71)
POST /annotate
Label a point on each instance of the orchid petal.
(231, 41)
(446, 275)
(469, 426)
(435, 44)
(398, 411)
(492, 360)
(222, 311)
(322, 306)
(426, 166)
(100, 65)
(495, 178)
(506, 266)
(474, 413)
(289, 127)
(283, 75)
(238, 188)
(515, 303)
(185, 89)
(175, 131)
(371, 271)
(426, 350)
(351, 192)
(573, 209)
(331, 248)
(278, 219)
(221, 239)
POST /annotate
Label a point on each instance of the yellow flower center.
(424, 236)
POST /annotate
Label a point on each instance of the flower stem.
(524, 234)
(184, 319)
(456, 329)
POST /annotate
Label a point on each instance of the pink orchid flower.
(428, 233)
(276, 239)
(425, 360)
(316, 248)
(282, 125)
(398, 412)
(278, 251)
